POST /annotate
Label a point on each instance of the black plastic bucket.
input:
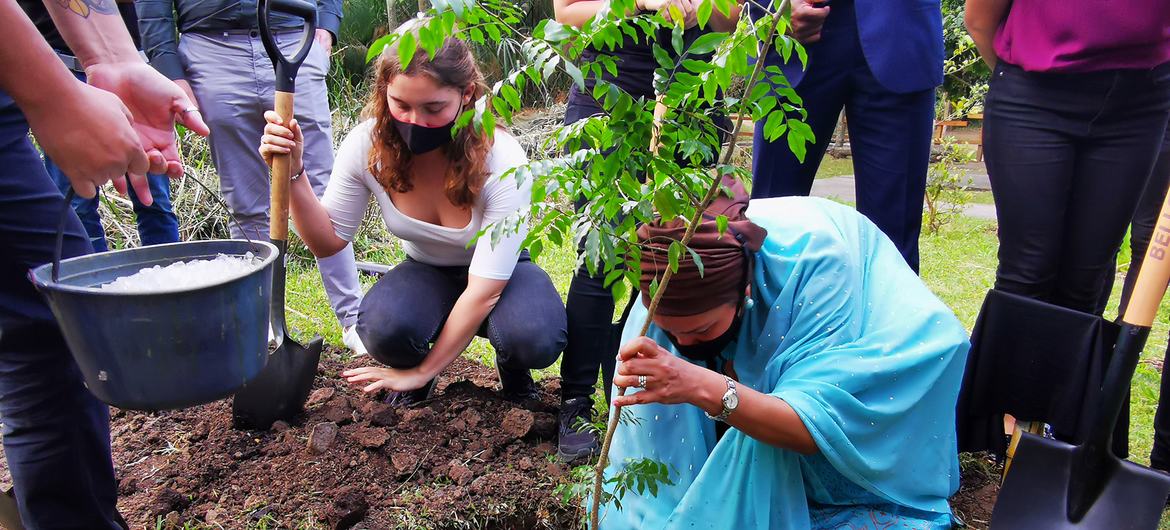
(162, 349)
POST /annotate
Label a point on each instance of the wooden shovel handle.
(281, 172)
(659, 113)
(1153, 276)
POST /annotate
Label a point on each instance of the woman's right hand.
(279, 139)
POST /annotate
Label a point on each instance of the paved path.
(841, 188)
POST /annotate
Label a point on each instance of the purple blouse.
(1085, 35)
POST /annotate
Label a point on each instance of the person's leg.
(527, 328)
(1143, 228)
(404, 312)
(776, 171)
(222, 71)
(55, 433)
(157, 223)
(890, 168)
(1029, 149)
(1114, 160)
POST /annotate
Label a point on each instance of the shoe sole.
(571, 457)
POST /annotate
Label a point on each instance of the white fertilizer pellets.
(183, 275)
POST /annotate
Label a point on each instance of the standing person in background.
(880, 61)
(56, 434)
(157, 222)
(1074, 117)
(590, 304)
(1077, 106)
(218, 58)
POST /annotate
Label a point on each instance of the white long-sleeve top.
(352, 183)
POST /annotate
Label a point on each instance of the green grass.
(834, 167)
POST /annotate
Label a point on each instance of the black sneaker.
(517, 386)
(411, 397)
(576, 437)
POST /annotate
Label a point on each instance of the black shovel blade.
(1035, 494)
(281, 389)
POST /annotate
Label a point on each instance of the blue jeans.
(157, 223)
(56, 434)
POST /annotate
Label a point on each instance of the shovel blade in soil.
(281, 389)
(1035, 494)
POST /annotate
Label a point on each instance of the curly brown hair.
(390, 160)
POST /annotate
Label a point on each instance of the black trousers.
(1068, 156)
(1141, 231)
(403, 314)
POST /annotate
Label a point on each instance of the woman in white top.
(435, 193)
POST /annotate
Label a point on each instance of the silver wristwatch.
(730, 401)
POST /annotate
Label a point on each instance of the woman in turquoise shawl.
(846, 371)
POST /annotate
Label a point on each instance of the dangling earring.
(748, 303)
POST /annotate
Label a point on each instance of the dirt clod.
(167, 500)
(321, 395)
(338, 411)
(370, 437)
(322, 437)
(348, 508)
(522, 423)
(382, 415)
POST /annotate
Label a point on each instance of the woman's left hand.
(669, 379)
(391, 379)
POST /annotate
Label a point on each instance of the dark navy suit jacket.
(902, 42)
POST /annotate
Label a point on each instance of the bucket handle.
(69, 195)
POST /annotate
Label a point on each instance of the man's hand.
(89, 134)
(186, 87)
(155, 104)
(325, 39)
(808, 17)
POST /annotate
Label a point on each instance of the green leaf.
(555, 31)
(613, 275)
(661, 57)
(511, 96)
(698, 260)
(706, 43)
(704, 13)
(575, 73)
(673, 254)
(378, 45)
(721, 224)
(406, 49)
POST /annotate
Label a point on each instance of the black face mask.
(709, 350)
(420, 140)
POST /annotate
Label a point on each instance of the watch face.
(731, 400)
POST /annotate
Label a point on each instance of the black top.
(40, 16)
(635, 71)
(36, 12)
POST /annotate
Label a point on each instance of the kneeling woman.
(835, 368)
(435, 193)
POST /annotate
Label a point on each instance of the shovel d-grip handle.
(286, 68)
(281, 174)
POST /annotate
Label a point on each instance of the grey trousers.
(233, 80)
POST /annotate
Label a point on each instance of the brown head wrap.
(723, 256)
